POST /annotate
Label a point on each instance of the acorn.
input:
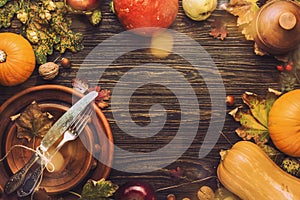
(65, 63)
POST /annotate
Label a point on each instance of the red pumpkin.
(284, 123)
(135, 14)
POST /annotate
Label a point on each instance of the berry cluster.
(286, 67)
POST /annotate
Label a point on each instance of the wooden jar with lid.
(277, 27)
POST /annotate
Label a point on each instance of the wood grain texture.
(241, 70)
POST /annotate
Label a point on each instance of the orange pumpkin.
(284, 123)
(17, 59)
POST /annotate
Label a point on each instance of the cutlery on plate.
(54, 133)
(72, 133)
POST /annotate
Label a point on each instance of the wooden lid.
(277, 26)
(287, 20)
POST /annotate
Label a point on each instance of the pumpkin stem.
(223, 153)
(2, 56)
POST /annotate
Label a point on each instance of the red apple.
(135, 190)
(135, 14)
(83, 5)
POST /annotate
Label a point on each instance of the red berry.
(230, 100)
(280, 68)
(288, 67)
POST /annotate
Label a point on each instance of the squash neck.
(2, 56)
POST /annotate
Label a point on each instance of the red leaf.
(219, 29)
(103, 95)
(178, 172)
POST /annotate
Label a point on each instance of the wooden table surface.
(240, 70)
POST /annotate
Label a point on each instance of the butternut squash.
(249, 173)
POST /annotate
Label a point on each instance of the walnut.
(49, 70)
(205, 193)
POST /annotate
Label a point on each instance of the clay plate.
(80, 156)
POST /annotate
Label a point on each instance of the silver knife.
(54, 133)
(32, 180)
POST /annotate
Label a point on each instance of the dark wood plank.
(241, 70)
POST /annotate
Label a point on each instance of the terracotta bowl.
(79, 163)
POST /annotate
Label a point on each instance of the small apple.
(135, 190)
(83, 5)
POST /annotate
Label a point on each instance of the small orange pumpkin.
(17, 59)
(284, 123)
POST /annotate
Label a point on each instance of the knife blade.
(32, 179)
(54, 133)
(58, 129)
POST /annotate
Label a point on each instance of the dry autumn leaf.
(32, 122)
(254, 126)
(219, 29)
(254, 119)
(246, 11)
(103, 94)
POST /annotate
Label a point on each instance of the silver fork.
(74, 130)
(32, 180)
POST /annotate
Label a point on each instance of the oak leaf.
(98, 190)
(103, 94)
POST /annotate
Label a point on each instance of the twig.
(226, 138)
(184, 184)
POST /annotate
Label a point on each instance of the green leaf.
(3, 2)
(276, 155)
(246, 119)
(292, 166)
(254, 118)
(251, 128)
(7, 13)
(289, 164)
(259, 107)
(96, 17)
(98, 190)
(271, 97)
(259, 136)
(290, 80)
